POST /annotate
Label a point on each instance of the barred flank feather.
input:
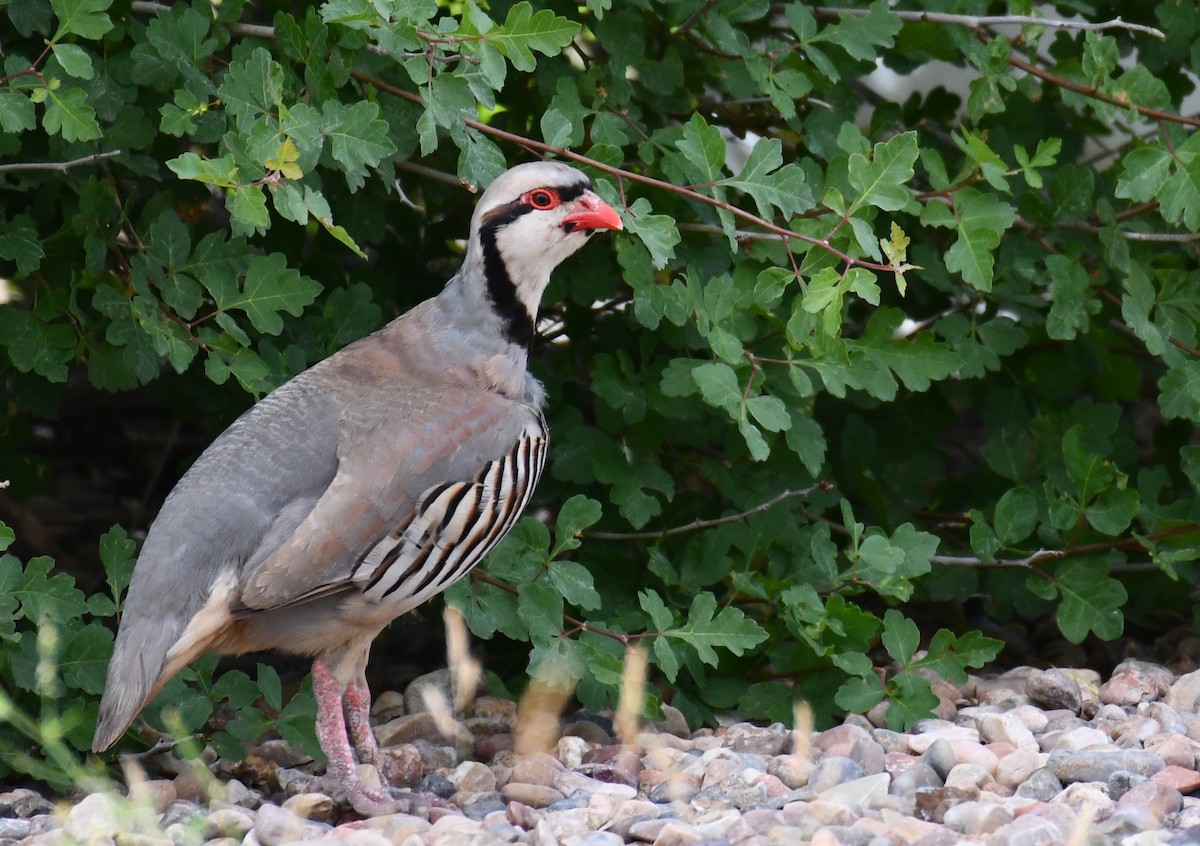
(453, 527)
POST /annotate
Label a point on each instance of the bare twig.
(61, 167)
(1027, 562)
(981, 21)
(696, 525)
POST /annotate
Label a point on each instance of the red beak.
(590, 212)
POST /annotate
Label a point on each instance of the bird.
(363, 486)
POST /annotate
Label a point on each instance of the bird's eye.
(543, 199)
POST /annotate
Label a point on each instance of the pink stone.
(1183, 779)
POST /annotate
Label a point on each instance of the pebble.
(1027, 758)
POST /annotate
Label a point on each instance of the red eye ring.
(542, 199)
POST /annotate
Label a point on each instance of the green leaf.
(882, 180)
(116, 554)
(706, 630)
(901, 637)
(69, 115)
(769, 183)
(1069, 300)
(656, 231)
(1179, 197)
(36, 346)
(704, 150)
(75, 60)
(540, 607)
(575, 583)
(358, 138)
(1113, 510)
(85, 18)
(19, 243)
(719, 386)
(1180, 391)
(252, 88)
(912, 699)
(248, 210)
(860, 695)
(949, 655)
(17, 113)
(523, 31)
(576, 514)
(1091, 600)
(1143, 173)
(1016, 515)
(982, 219)
(860, 36)
(222, 172)
(270, 287)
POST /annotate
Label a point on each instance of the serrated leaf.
(770, 184)
(656, 231)
(116, 554)
(949, 655)
(20, 243)
(653, 605)
(17, 113)
(269, 686)
(982, 219)
(575, 584)
(1143, 173)
(248, 213)
(704, 149)
(85, 18)
(83, 657)
(706, 630)
(882, 180)
(541, 610)
(69, 115)
(1069, 300)
(719, 386)
(523, 31)
(1179, 197)
(1091, 601)
(1179, 391)
(358, 138)
(252, 87)
(859, 695)
(270, 287)
(222, 172)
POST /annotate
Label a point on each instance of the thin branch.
(1088, 91)
(696, 525)
(61, 167)
(981, 21)
(632, 176)
(1027, 562)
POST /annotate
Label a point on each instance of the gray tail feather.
(135, 675)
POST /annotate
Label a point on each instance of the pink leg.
(357, 706)
(341, 777)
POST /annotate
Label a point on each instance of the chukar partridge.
(362, 487)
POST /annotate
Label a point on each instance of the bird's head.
(526, 223)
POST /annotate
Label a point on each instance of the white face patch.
(532, 246)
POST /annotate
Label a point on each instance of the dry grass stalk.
(633, 685)
(802, 726)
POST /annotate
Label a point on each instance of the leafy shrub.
(854, 352)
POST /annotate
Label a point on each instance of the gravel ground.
(1030, 757)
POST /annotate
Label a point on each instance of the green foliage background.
(908, 354)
